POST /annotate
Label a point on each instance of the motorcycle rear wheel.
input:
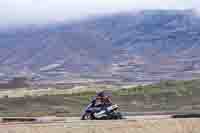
(87, 116)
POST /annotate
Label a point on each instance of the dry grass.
(23, 92)
(164, 96)
(140, 126)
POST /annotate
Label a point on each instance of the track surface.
(52, 119)
(131, 125)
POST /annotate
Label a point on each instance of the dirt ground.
(119, 126)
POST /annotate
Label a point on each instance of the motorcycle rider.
(101, 107)
(102, 99)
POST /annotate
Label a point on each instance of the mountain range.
(142, 46)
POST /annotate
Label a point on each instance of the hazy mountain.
(138, 46)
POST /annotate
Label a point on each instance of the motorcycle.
(109, 112)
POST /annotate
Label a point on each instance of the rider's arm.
(108, 101)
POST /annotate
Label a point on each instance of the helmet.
(104, 94)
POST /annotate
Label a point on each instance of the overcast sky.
(47, 11)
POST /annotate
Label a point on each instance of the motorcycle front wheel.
(116, 116)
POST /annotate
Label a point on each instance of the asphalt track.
(54, 119)
(146, 123)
